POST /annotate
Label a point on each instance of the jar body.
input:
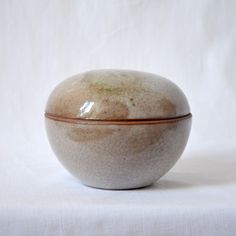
(118, 156)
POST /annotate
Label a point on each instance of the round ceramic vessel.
(117, 129)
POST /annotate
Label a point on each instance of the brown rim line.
(116, 122)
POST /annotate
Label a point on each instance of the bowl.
(117, 129)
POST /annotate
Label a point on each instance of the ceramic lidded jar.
(117, 129)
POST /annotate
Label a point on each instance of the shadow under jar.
(117, 129)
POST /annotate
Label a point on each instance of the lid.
(117, 95)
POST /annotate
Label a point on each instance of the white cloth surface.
(197, 197)
(193, 43)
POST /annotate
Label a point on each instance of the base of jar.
(119, 189)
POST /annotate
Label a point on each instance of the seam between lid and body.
(117, 122)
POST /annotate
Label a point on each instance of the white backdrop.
(193, 43)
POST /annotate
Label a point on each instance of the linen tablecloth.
(39, 197)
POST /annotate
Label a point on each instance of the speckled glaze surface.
(116, 129)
